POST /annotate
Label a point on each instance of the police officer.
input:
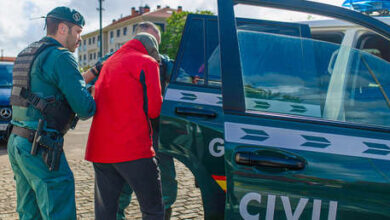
(48, 96)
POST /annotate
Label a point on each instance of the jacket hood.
(150, 44)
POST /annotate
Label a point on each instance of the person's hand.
(99, 66)
(93, 91)
(195, 79)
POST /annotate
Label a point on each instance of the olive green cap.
(66, 14)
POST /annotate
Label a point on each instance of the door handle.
(252, 159)
(195, 112)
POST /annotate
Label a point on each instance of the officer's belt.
(24, 132)
(30, 133)
(52, 149)
(27, 133)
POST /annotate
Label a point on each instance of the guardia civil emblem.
(76, 16)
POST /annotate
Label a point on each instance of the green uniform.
(44, 194)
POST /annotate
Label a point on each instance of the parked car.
(282, 120)
(5, 94)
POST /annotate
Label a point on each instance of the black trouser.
(142, 175)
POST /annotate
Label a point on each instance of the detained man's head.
(150, 44)
(149, 28)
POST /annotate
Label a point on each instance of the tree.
(170, 39)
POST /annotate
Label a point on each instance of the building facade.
(119, 32)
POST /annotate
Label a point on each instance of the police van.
(283, 120)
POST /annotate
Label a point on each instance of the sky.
(20, 23)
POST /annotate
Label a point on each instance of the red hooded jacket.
(127, 95)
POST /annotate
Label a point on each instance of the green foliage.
(170, 39)
(83, 69)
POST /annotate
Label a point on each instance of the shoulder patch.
(61, 48)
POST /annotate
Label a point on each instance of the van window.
(301, 76)
(200, 62)
(368, 90)
(331, 37)
(375, 45)
(213, 50)
(192, 67)
(213, 55)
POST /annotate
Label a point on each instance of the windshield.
(6, 75)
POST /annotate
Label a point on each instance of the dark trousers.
(143, 177)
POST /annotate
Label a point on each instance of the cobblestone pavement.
(187, 206)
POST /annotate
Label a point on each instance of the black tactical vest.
(58, 114)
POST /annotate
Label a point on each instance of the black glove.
(98, 66)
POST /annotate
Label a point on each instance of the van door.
(302, 140)
(191, 128)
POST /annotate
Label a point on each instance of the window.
(85, 57)
(80, 58)
(98, 40)
(332, 37)
(93, 40)
(368, 90)
(192, 65)
(90, 56)
(134, 27)
(118, 33)
(6, 74)
(213, 74)
(375, 45)
(199, 61)
(292, 75)
(161, 26)
(111, 37)
(125, 31)
(94, 56)
(89, 41)
(213, 54)
(85, 42)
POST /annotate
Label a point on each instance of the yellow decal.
(221, 181)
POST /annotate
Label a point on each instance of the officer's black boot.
(168, 213)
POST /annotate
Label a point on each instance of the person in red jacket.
(127, 96)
